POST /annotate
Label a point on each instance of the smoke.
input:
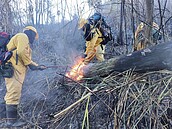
(59, 45)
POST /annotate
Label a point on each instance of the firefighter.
(21, 59)
(140, 39)
(93, 46)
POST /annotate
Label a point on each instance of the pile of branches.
(120, 100)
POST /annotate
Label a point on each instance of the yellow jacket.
(21, 42)
(92, 45)
(140, 36)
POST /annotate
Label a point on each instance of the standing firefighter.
(96, 33)
(140, 39)
(21, 59)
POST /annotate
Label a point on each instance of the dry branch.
(71, 106)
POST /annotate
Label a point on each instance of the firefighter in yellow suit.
(21, 59)
(93, 47)
(140, 38)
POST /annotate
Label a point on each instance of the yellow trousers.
(14, 88)
(100, 50)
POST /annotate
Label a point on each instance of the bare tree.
(149, 20)
(121, 23)
(162, 15)
(6, 18)
(30, 14)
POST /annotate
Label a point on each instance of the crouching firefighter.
(21, 59)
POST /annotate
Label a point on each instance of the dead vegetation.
(117, 101)
(124, 100)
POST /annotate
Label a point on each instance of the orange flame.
(76, 73)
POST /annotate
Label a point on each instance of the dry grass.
(132, 100)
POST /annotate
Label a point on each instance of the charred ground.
(119, 100)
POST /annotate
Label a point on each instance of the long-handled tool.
(56, 66)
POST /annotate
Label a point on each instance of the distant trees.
(149, 20)
(43, 12)
(25, 12)
(5, 15)
(124, 16)
(30, 15)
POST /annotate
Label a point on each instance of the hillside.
(129, 90)
(120, 100)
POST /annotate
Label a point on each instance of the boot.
(2, 113)
(12, 121)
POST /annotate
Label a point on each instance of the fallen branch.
(155, 58)
(71, 106)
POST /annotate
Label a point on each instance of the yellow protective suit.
(140, 38)
(94, 48)
(14, 85)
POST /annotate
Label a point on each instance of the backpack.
(5, 55)
(88, 35)
(6, 69)
(98, 21)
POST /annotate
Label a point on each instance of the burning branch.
(76, 73)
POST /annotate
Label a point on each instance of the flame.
(76, 73)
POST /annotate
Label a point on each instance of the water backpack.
(97, 21)
(6, 68)
(5, 55)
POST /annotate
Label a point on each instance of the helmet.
(33, 29)
(82, 22)
(4, 34)
(155, 25)
(141, 25)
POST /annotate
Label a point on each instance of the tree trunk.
(132, 21)
(149, 20)
(120, 36)
(155, 58)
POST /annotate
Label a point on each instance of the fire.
(76, 73)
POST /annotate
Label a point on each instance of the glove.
(7, 56)
(41, 67)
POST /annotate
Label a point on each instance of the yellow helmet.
(155, 25)
(33, 29)
(82, 22)
(141, 25)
